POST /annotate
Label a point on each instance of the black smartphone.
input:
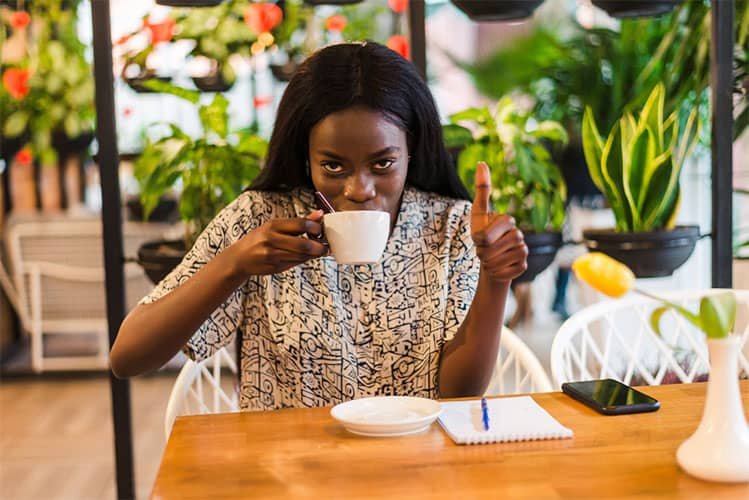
(610, 397)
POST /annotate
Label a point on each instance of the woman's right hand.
(280, 244)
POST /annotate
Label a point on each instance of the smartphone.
(610, 397)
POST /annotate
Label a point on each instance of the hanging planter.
(331, 2)
(636, 8)
(542, 248)
(650, 254)
(136, 82)
(284, 72)
(213, 82)
(497, 10)
(189, 3)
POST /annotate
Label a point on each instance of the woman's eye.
(332, 167)
(384, 164)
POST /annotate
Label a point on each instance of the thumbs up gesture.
(499, 244)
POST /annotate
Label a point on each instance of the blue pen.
(485, 414)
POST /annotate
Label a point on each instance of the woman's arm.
(153, 333)
(467, 361)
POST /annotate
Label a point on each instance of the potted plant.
(138, 47)
(47, 97)
(529, 186)
(718, 449)
(637, 169)
(220, 32)
(212, 170)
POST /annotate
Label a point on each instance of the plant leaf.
(167, 88)
(455, 136)
(655, 319)
(718, 314)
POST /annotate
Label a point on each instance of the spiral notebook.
(510, 419)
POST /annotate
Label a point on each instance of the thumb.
(482, 189)
(315, 215)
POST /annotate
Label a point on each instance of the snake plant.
(637, 166)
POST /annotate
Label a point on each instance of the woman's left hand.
(499, 244)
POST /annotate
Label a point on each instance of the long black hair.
(370, 75)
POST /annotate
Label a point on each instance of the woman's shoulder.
(292, 203)
(437, 204)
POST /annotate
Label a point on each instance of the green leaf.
(551, 130)
(540, 211)
(456, 136)
(641, 155)
(252, 144)
(214, 116)
(655, 319)
(467, 160)
(478, 115)
(167, 88)
(611, 170)
(16, 123)
(593, 148)
(718, 314)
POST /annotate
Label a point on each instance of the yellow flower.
(603, 273)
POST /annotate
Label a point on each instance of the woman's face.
(359, 161)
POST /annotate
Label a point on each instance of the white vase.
(719, 449)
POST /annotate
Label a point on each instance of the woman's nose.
(359, 188)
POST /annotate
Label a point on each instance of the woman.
(359, 125)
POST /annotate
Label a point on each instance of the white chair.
(200, 388)
(613, 339)
(57, 271)
(517, 371)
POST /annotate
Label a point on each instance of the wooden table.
(305, 453)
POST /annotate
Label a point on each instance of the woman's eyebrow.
(377, 154)
(385, 151)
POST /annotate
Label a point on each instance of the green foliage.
(61, 96)
(637, 167)
(526, 183)
(568, 69)
(717, 315)
(212, 169)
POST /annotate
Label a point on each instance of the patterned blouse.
(322, 333)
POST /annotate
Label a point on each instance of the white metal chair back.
(613, 339)
(58, 273)
(517, 370)
(200, 388)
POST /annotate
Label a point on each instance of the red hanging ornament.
(24, 156)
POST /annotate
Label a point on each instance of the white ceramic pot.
(719, 449)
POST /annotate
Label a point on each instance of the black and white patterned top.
(322, 333)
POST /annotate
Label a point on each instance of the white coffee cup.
(357, 236)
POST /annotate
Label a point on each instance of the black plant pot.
(66, 146)
(636, 8)
(542, 248)
(212, 83)
(331, 2)
(284, 72)
(497, 10)
(159, 258)
(652, 254)
(189, 3)
(165, 210)
(136, 83)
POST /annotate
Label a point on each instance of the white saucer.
(387, 416)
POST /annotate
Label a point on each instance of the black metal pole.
(721, 83)
(106, 133)
(417, 30)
